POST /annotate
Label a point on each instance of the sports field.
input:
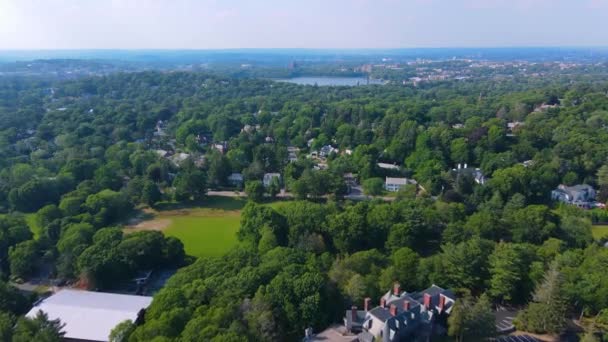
(207, 229)
(599, 231)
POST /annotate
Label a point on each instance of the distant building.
(475, 173)
(268, 177)
(395, 184)
(221, 146)
(326, 150)
(402, 316)
(386, 166)
(235, 179)
(91, 316)
(292, 153)
(513, 126)
(179, 158)
(582, 195)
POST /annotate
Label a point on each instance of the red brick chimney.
(353, 312)
(393, 310)
(406, 305)
(427, 301)
(383, 302)
(441, 302)
(396, 289)
(366, 303)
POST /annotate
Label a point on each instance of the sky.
(225, 24)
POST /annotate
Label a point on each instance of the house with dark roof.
(402, 316)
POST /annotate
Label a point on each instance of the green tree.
(40, 328)
(255, 190)
(547, 312)
(23, 257)
(472, 320)
(509, 271)
(122, 331)
(373, 186)
(190, 184)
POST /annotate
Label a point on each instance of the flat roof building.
(91, 316)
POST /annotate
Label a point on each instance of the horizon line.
(316, 48)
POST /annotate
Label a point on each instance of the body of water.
(329, 81)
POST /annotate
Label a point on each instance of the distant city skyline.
(315, 24)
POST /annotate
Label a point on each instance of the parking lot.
(504, 320)
(518, 338)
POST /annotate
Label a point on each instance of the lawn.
(204, 235)
(599, 231)
(206, 228)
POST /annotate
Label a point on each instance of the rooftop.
(90, 315)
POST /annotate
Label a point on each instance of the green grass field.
(204, 233)
(206, 228)
(599, 231)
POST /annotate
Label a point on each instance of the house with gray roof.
(581, 195)
(402, 316)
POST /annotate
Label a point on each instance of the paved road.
(353, 196)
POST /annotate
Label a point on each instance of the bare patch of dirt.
(156, 224)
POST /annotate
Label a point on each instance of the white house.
(91, 316)
(268, 177)
(395, 184)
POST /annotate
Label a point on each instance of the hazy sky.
(211, 24)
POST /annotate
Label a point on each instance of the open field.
(206, 229)
(599, 231)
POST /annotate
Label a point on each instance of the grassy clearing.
(599, 231)
(207, 228)
(205, 235)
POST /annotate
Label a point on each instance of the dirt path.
(154, 224)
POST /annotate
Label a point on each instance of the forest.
(79, 157)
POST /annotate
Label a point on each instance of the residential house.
(221, 146)
(513, 126)
(395, 184)
(475, 173)
(402, 316)
(235, 179)
(268, 177)
(292, 153)
(326, 150)
(581, 195)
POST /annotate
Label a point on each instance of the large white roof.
(90, 315)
